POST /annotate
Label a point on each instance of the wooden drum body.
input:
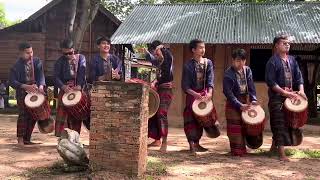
(206, 115)
(38, 107)
(296, 112)
(254, 119)
(77, 104)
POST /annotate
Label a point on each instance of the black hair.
(67, 44)
(23, 46)
(279, 38)
(154, 45)
(193, 43)
(239, 53)
(102, 38)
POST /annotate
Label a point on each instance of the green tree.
(122, 8)
(3, 20)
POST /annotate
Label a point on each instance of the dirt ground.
(42, 161)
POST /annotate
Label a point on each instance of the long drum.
(77, 104)
(206, 115)
(154, 99)
(254, 119)
(38, 107)
(296, 111)
(203, 112)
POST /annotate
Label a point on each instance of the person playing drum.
(197, 83)
(26, 76)
(105, 66)
(237, 86)
(282, 76)
(69, 74)
(162, 58)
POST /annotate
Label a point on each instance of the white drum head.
(255, 115)
(202, 108)
(34, 100)
(298, 105)
(71, 98)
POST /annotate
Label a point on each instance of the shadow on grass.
(293, 153)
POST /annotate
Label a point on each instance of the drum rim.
(195, 105)
(155, 93)
(303, 108)
(28, 96)
(64, 97)
(243, 114)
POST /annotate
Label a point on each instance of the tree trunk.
(72, 17)
(82, 13)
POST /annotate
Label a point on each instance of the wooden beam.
(300, 52)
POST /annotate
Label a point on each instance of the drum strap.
(76, 68)
(245, 76)
(32, 69)
(205, 73)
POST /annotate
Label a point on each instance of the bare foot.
(192, 148)
(164, 145)
(273, 148)
(199, 148)
(30, 143)
(282, 154)
(284, 159)
(155, 143)
(20, 141)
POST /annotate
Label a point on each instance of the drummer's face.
(283, 46)
(68, 52)
(200, 50)
(27, 53)
(238, 63)
(104, 47)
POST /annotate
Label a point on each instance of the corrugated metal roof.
(220, 23)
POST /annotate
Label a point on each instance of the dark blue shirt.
(189, 75)
(166, 68)
(97, 66)
(231, 87)
(275, 74)
(17, 75)
(62, 71)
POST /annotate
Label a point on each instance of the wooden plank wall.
(9, 53)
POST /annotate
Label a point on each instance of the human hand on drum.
(78, 88)
(66, 88)
(245, 107)
(291, 95)
(255, 103)
(198, 96)
(30, 88)
(207, 97)
(302, 93)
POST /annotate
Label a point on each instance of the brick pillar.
(119, 125)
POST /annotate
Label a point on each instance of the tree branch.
(71, 17)
(87, 12)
